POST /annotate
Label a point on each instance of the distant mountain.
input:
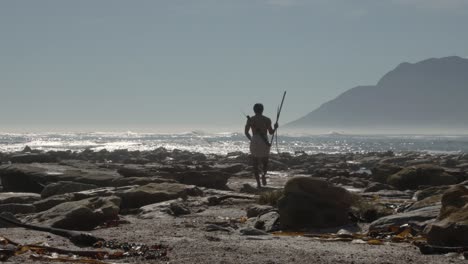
(431, 94)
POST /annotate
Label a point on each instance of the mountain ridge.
(430, 94)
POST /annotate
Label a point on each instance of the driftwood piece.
(78, 238)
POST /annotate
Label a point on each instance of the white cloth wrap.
(258, 147)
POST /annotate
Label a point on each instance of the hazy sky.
(170, 65)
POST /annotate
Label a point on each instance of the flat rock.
(32, 177)
(79, 215)
(420, 217)
(139, 181)
(155, 193)
(18, 197)
(62, 187)
(17, 208)
(163, 209)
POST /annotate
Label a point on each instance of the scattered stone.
(252, 232)
(267, 222)
(213, 227)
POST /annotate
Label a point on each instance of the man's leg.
(265, 170)
(255, 163)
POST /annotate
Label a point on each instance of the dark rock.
(209, 179)
(63, 187)
(17, 208)
(27, 149)
(415, 176)
(230, 168)
(32, 157)
(382, 171)
(10, 216)
(310, 202)
(377, 186)
(256, 210)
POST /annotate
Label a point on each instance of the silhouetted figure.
(259, 143)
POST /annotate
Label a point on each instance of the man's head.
(258, 108)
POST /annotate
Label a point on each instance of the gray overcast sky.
(193, 65)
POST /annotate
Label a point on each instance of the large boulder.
(154, 193)
(311, 202)
(33, 177)
(451, 227)
(421, 175)
(62, 187)
(79, 215)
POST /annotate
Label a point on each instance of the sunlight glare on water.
(224, 143)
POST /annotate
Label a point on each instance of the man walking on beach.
(259, 143)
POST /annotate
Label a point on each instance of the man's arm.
(247, 129)
(270, 129)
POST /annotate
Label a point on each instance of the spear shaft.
(278, 113)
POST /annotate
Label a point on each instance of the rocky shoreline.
(351, 208)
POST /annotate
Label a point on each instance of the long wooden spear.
(278, 113)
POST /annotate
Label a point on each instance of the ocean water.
(223, 143)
